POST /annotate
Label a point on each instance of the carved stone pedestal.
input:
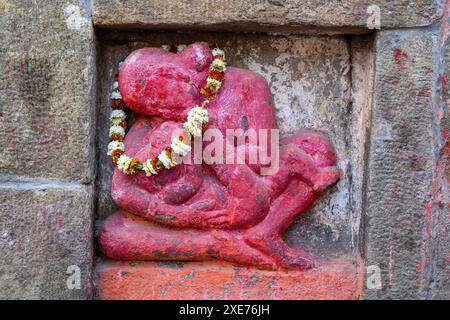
(331, 279)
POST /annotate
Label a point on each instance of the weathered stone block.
(438, 275)
(45, 227)
(335, 279)
(435, 265)
(263, 15)
(46, 90)
(400, 161)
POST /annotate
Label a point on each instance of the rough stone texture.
(435, 267)
(46, 89)
(360, 120)
(263, 15)
(402, 162)
(310, 81)
(47, 118)
(335, 279)
(45, 227)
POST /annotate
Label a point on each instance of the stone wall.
(381, 95)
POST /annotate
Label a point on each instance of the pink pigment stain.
(419, 266)
(399, 58)
(435, 196)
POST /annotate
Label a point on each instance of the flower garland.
(197, 120)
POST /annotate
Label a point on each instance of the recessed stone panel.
(310, 79)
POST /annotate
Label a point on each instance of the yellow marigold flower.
(117, 104)
(128, 165)
(116, 154)
(134, 166)
(148, 168)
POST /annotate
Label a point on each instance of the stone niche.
(321, 82)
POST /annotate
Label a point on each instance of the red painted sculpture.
(200, 212)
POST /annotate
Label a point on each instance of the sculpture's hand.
(309, 157)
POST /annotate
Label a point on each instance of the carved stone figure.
(199, 212)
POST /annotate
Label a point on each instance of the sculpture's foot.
(274, 247)
(291, 258)
(125, 236)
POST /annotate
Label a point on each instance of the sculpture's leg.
(251, 200)
(267, 236)
(151, 207)
(128, 237)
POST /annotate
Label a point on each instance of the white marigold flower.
(123, 163)
(196, 117)
(115, 145)
(116, 130)
(117, 116)
(218, 65)
(198, 114)
(218, 52)
(179, 147)
(193, 128)
(213, 84)
(166, 160)
(181, 47)
(148, 168)
(116, 95)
